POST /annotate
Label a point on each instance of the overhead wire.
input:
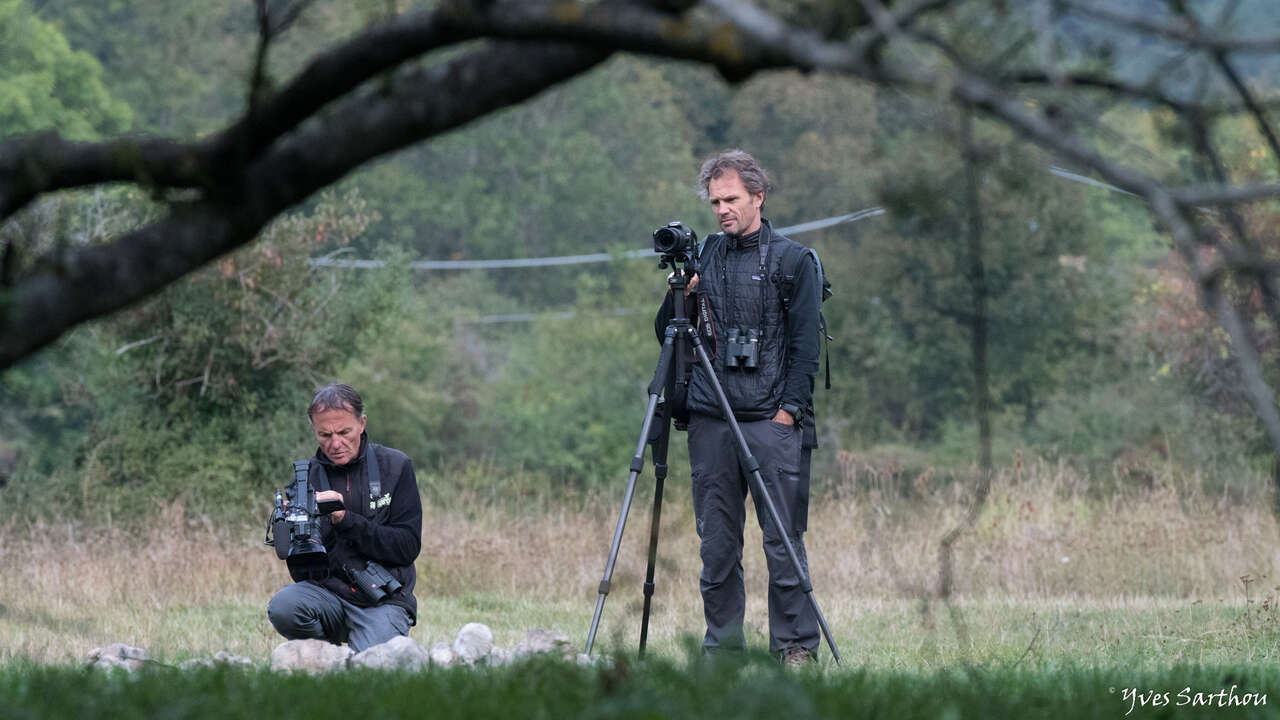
(332, 260)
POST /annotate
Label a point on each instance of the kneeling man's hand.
(336, 516)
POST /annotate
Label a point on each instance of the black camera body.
(675, 243)
(294, 529)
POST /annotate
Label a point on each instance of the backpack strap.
(375, 475)
(825, 284)
(786, 287)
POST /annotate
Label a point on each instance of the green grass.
(657, 688)
(1060, 597)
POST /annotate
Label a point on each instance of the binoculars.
(743, 350)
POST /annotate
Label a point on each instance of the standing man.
(381, 523)
(759, 289)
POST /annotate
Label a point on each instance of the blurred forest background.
(528, 384)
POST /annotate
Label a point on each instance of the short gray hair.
(336, 396)
(754, 178)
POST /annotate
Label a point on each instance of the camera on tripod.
(675, 243)
(293, 528)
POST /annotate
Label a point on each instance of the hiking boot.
(795, 657)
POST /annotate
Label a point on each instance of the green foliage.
(1091, 358)
(184, 65)
(199, 393)
(754, 688)
(592, 164)
(573, 391)
(911, 322)
(44, 84)
(238, 328)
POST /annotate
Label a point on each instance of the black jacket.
(390, 534)
(743, 288)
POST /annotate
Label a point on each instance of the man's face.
(338, 432)
(737, 210)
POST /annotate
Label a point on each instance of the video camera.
(293, 528)
(294, 531)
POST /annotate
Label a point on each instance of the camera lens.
(665, 240)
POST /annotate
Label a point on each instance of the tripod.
(679, 336)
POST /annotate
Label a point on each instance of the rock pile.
(118, 655)
(473, 646)
(220, 658)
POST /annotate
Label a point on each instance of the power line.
(1074, 177)
(331, 261)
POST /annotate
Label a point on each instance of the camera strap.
(375, 476)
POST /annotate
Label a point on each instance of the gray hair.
(754, 178)
(336, 396)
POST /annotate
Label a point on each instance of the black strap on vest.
(375, 475)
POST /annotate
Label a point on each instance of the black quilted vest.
(741, 291)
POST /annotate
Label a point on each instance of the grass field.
(660, 688)
(1060, 594)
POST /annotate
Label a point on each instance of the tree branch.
(1184, 33)
(1213, 194)
(102, 278)
(284, 160)
(1259, 115)
(43, 163)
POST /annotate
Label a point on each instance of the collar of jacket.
(744, 242)
(760, 238)
(364, 448)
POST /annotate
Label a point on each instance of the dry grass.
(1049, 572)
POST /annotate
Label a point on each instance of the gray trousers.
(305, 610)
(720, 487)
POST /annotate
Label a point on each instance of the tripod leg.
(762, 491)
(637, 463)
(655, 521)
(665, 366)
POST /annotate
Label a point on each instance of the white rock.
(585, 659)
(398, 653)
(222, 657)
(441, 655)
(540, 640)
(499, 657)
(474, 641)
(118, 655)
(313, 656)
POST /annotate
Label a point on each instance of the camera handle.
(670, 367)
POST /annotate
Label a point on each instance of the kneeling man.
(380, 523)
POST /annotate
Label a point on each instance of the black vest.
(739, 289)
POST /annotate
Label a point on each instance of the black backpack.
(786, 281)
